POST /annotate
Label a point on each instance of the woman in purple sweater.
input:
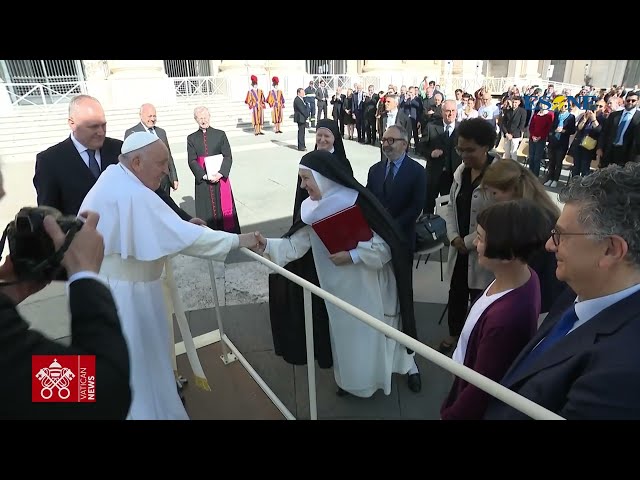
(505, 317)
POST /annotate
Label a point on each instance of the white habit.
(363, 358)
(140, 231)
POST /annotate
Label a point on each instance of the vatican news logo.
(63, 378)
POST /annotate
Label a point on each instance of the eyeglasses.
(391, 140)
(555, 235)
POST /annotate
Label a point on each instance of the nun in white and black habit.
(375, 277)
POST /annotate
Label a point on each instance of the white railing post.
(492, 387)
(227, 356)
(311, 364)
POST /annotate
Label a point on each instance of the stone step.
(25, 134)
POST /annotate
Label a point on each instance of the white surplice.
(363, 358)
(140, 232)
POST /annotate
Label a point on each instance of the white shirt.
(587, 309)
(150, 130)
(448, 128)
(475, 313)
(391, 117)
(82, 150)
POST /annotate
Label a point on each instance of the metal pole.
(311, 364)
(227, 357)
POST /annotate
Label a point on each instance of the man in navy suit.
(402, 194)
(398, 183)
(584, 362)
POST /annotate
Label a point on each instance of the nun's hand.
(341, 258)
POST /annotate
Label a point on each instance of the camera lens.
(23, 224)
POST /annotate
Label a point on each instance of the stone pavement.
(263, 177)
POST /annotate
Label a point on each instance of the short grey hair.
(77, 100)
(608, 202)
(198, 110)
(402, 131)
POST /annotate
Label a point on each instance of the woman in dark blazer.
(505, 317)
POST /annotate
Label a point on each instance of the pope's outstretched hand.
(249, 240)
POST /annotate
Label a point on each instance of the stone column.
(5, 99)
(134, 82)
(214, 67)
(530, 71)
(238, 75)
(96, 79)
(385, 71)
(291, 73)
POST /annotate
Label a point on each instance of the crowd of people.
(512, 253)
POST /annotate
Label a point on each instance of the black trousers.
(460, 295)
(301, 132)
(556, 156)
(339, 118)
(360, 125)
(414, 132)
(370, 129)
(438, 183)
(322, 109)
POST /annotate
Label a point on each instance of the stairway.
(31, 129)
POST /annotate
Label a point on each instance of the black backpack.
(431, 229)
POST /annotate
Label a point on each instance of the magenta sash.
(226, 200)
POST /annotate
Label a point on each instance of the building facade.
(123, 82)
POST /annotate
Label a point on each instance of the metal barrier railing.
(493, 388)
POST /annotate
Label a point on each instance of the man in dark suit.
(398, 184)
(512, 124)
(65, 172)
(393, 116)
(148, 119)
(437, 145)
(95, 330)
(584, 361)
(619, 141)
(300, 115)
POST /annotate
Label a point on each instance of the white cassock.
(140, 233)
(363, 358)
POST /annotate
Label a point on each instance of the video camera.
(32, 251)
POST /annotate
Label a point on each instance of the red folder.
(343, 230)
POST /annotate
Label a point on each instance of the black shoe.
(415, 382)
(342, 393)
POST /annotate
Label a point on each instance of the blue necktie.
(623, 121)
(93, 163)
(388, 180)
(559, 331)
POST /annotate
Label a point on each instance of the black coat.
(95, 330)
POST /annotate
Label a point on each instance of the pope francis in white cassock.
(140, 232)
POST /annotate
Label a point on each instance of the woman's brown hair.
(508, 175)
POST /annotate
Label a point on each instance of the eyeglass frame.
(391, 140)
(555, 236)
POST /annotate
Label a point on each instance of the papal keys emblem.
(55, 377)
